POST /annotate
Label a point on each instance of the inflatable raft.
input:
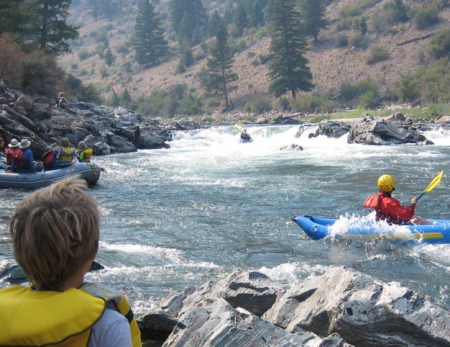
(88, 171)
(319, 228)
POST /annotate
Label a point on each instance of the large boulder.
(363, 310)
(216, 323)
(393, 131)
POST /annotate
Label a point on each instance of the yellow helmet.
(386, 183)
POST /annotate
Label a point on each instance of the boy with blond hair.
(55, 233)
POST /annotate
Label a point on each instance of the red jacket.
(389, 209)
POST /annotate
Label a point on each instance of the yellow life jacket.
(67, 153)
(85, 155)
(65, 319)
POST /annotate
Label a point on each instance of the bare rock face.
(217, 323)
(252, 291)
(393, 131)
(364, 311)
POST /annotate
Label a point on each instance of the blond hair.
(55, 231)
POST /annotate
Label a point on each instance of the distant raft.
(88, 171)
(318, 228)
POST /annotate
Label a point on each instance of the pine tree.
(313, 17)
(189, 20)
(15, 17)
(214, 23)
(240, 19)
(105, 8)
(288, 69)
(52, 31)
(218, 77)
(149, 43)
(256, 12)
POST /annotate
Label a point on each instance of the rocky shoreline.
(341, 307)
(111, 130)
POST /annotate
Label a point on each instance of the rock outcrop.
(105, 129)
(340, 308)
(392, 131)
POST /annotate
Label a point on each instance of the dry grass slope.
(331, 66)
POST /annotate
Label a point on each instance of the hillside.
(331, 66)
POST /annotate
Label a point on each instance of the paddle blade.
(434, 182)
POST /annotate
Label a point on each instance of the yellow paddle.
(432, 184)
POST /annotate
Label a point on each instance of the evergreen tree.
(15, 18)
(189, 20)
(256, 12)
(288, 68)
(218, 77)
(214, 23)
(313, 17)
(240, 19)
(52, 32)
(149, 43)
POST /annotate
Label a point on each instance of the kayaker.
(245, 137)
(55, 233)
(390, 209)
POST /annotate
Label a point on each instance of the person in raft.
(390, 209)
(55, 235)
(67, 153)
(84, 152)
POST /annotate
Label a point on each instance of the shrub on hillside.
(11, 58)
(376, 54)
(435, 82)
(440, 44)
(344, 24)
(428, 84)
(179, 100)
(425, 17)
(408, 87)
(395, 12)
(356, 8)
(90, 94)
(312, 104)
(341, 41)
(358, 41)
(368, 99)
(83, 54)
(41, 74)
(258, 105)
(350, 92)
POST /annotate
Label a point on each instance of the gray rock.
(364, 311)
(253, 291)
(216, 323)
(391, 131)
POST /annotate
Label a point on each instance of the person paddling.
(390, 209)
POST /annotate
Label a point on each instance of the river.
(179, 217)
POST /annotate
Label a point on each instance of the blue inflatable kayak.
(318, 228)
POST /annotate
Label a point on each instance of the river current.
(179, 217)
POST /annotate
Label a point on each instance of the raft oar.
(432, 184)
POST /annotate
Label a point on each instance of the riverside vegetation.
(360, 53)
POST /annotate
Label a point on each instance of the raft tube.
(87, 171)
